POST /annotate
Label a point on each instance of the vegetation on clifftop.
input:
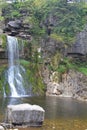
(58, 16)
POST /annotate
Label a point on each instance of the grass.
(65, 65)
(83, 70)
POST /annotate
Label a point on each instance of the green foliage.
(1, 18)
(24, 62)
(83, 70)
(35, 30)
(70, 18)
(4, 40)
(61, 64)
(57, 37)
(55, 60)
(81, 67)
(67, 64)
(62, 69)
(2, 78)
(15, 14)
(33, 73)
(64, 65)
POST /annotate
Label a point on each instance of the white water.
(15, 79)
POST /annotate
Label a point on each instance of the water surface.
(60, 113)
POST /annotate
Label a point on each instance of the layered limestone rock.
(78, 50)
(74, 84)
(25, 114)
(18, 28)
(50, 46)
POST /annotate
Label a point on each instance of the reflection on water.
(60, 113)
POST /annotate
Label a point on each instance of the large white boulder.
(2, 128)
(25, 114)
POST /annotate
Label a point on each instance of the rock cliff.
(73, 84)
(79, 48)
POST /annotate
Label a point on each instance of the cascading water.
(14, 73)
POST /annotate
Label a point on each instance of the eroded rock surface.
(25, 114)
(73, 84)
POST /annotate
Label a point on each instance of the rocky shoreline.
(74, 85)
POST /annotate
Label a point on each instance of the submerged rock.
(25, 114)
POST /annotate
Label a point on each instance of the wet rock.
(25, 114)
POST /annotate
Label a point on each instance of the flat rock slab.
(2, 128)
(25, 114)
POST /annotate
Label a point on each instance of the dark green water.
(60, 113)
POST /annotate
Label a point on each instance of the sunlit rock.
(74, 84)
(1, 128)
(25, 114)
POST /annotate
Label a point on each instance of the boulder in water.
(25, 115)
(2, 128)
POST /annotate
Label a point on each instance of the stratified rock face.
(25, 114)
(80, 46)
(74, 84)
(50, 46)
(15, 24)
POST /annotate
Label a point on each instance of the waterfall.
(15, 70)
